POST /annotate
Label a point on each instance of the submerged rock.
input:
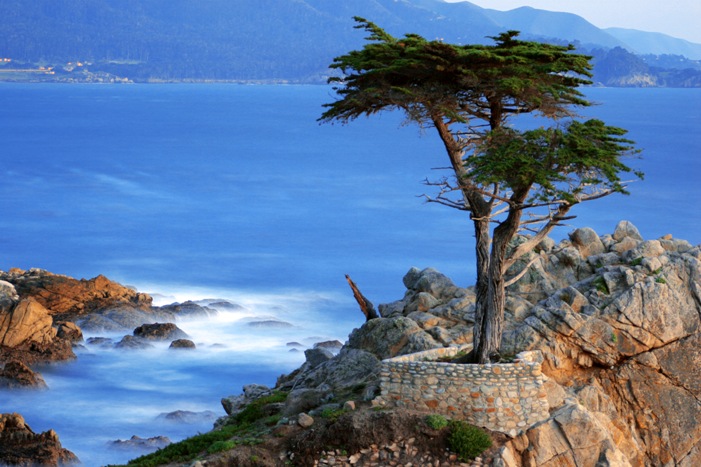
(187, 417)
(141, 444)
(160, 332)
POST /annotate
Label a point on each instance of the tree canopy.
(470, 94)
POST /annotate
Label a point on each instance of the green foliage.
(614, 337)
(244, 429)
(571, 163)
(468, 94)
(600, 285)
(660, 280)
(637, 261)
(187, 449)
(429, 78)
(436, 421)
(467, 441)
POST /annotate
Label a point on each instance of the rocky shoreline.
(615, 317)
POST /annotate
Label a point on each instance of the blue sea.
(236, 192)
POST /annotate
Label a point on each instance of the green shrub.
(436, 422)
(331, 414)
(467, 441)
(254, 411)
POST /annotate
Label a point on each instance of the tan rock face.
(63, 295)
(617, 319)
(28, 322)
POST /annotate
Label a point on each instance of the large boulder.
(389, 337)
(27, 322)
(19, 445)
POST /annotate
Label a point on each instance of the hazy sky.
(677, 18)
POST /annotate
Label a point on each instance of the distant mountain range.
(291, 40)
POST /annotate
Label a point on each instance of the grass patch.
(436, 422)
(254, 411)
(467, 441)
(189, 448)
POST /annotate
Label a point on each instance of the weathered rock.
(304, 420)
(19, 445)
(28, 322)
(389, 337)
(18, 375)
(8, 296)
(70, 331)
(316, 357)
(160, 332)
(587, 241)
(431, 282)
(182, 344)
(626, 229)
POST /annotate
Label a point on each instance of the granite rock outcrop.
(19, 445)
(617, 320)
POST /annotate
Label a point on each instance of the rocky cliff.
(617, 319)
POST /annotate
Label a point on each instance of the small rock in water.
(16, 374)
(100, 341)
(160, 332)
(269, 323)
(185, 416)
(131, 342)
(143, 444)
(182, 344)
(330, 345)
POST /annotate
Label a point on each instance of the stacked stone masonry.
(505, 397)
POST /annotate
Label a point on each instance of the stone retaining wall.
(505, 397)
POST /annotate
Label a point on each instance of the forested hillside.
(266, 40)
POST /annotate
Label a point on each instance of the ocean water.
(236, 192)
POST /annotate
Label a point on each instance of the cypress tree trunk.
(493, 310)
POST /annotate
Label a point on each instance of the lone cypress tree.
(469, 94)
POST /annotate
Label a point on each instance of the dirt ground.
(364, 437)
